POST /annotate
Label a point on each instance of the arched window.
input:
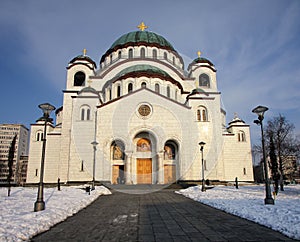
(241, 136)
(88, 114)
(157, 87)
(117, 149)
(79, 79)
(111, 58)
(118, 91)
(168, 91)
(85, 113)
(119, 54)
(143, 85)
(204, 80)
(202, 114)
(130, 53)
(130, 87)
(143, 54)
(154, 54)
(109, 93)
(143, 145)
(169, 152)
(39, 135)
(82, 114)
(176, 93)
(173, 60)
(165, 55)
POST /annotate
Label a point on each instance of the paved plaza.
(163, 215)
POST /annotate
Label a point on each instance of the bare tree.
(286, 144)
(11, 155)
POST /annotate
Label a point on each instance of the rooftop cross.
(84, 51)
(142, 26)
(199, 53)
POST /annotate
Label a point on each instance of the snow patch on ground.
(248, 202)
(18, 221)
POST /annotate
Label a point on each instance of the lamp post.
(260, 110)
(94, 143)
(201, 149)
(39, 205)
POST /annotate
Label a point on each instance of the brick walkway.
(158, 216)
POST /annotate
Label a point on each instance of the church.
(138, 117)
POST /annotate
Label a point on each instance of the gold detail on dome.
(142, 26)
(84, 51)
(199, 53)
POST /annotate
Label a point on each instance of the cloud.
(253, 44)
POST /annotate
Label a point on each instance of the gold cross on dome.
(199, 53)
(84, 51)
(142, 26)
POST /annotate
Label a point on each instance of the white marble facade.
(147, 113)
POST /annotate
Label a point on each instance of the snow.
(18, 221)
(248, 202)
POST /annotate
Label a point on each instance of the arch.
(241, 136)
(119, 54)
(170, 150)
(143, 145)
(85, 113)
(39, 135)
(79, 79)
(118, 90)
(130, 87)
(154, 54)
(168, 91)
(157, 87)
(143, 53)
(165, 55)
(202, 115)
(143, 85)
(204, 80)
(130, 53)
(117, 149)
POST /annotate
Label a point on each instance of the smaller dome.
(236, 120)
(142, 69)
(88, 89)
(83, 58)
(200, 60)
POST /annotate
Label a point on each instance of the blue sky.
(254, 44)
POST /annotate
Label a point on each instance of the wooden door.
(144, 171)
(169, 174)
(115, 174)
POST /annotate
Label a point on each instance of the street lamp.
(94, 143)
(201, 149)
(260, 110)
(47, 108)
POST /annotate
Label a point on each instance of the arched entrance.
(118, 158)
(145, 153)
(170, 158)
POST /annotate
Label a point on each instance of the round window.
(144, 110)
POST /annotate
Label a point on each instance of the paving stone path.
(157, 216)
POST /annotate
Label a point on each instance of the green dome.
(138, 38)
(145, 37)
(142, 69)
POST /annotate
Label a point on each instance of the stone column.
(128, 164)
(160, 167)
